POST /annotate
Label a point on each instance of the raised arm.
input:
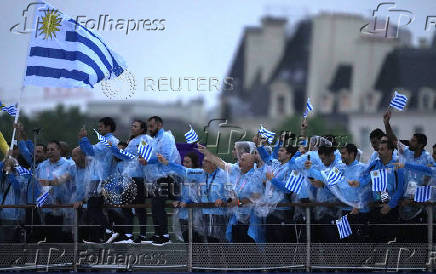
(389, 131)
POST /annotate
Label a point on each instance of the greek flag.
(268, 135)
(422, 194)
(309, 108)
(191, 136)
(399, 101)
(11, 110)
(125, 153)
(333, 176)
(379, 180)
(102, 139)
(43, 199)
(145, 150)
(294, 182)
(63, 53)
(22, 171)
(343, 227)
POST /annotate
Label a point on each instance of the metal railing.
(222, 256)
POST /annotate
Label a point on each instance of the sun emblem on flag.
(50, 24)
(144, 143)
(375, 173)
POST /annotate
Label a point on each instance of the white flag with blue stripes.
(128, 154)
(62, 53)
(11, 110)
(145, 150)
(422, 194)
(102, 139)
(379, 179)
(191, 136)
(294, 182)
(344, 227)
(399, 101)
(309, 108)
(23, 171)
(44, 198)
(268, 135)
(333, 176)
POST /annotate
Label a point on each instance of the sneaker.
(123, 239)
(161, 241)
(142, 240)
(114, 237)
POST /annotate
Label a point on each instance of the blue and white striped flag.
(309, 108)
(128, 154)
(191, 136)
(344, 227)
(145, 150)
(102, 139)
(22, 171)
(43, 199)
(294, 182)
(379, 179)
(268, 135)
(399, 101)
(333, 176)
(422, 194)
(63, 53)
(11, 110)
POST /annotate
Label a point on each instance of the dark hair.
(156, 119)
(291, 150)
(56, 142)
(434, 146)
(376, 134)
(332, 139)
(142, 125)
(351, 148)
(326, 150)
(123, 144)
(108, 121)
(65, 149)
(421, 138)
(44, 147)
(194, 158)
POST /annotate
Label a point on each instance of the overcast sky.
(199, 40)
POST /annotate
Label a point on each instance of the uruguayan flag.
(63, 53)
(43, 199)
(294, 182)
(102, 139)
(309, 108)
(379, 179)
(11, 110)
(22, 171)
(422, 194)
(191, 136)
(333, 176)
(268, 135)
(125, 153)
(145, 150)
(399, 101)
(344, 227)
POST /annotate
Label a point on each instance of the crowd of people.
(248, 199)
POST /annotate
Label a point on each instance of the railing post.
(308, 240)
(430, 236)
(75, 237)
(190, 239)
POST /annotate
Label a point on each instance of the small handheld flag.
(294, 182)
(43, 199)
(422, 194)
(333, 176)
(399, 101)
(379, 179)
(145, 150)
(125, 153)
(22, 171)
(344, 227)
(309, 108)
(102, 139)
(191, 136)
(268, 135)
(11, 110)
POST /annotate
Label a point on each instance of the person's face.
(187, 162)
(39, 154)
(135, 129)
(53, 152)
(102, 129)
(327, 160)
(153, 127)
(208, 166)
(346, 157)
(78, 157)
(302, 149)
(383, 151)
(283, 155)
(413, 145)
(375, 142)
(246, 162)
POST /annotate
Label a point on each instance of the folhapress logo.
(387, 21)
(26, 26)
